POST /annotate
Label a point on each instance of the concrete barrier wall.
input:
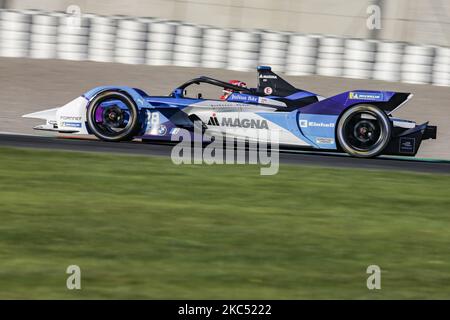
(418, 21)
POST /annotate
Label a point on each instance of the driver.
(228, 92)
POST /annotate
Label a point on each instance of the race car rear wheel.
(113, 116)
(364, 131)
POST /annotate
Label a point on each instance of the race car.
(358, 122)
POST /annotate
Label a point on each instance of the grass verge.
(141, 227)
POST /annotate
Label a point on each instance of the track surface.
(292, 157)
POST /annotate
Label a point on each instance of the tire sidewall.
(385, 125)
(131, 130)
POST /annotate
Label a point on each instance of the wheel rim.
(363, 134)
(112, 116)
(364, 130)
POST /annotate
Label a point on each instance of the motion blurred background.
(418, 21)
(395, 40)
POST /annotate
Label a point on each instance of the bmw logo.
(162, 130)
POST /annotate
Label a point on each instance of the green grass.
(141, 227)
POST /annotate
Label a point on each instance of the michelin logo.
(377, 96)
(306, 124)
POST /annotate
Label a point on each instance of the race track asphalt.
(286, 156)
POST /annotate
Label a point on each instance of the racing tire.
(131, 35)
(360, 45)
(187, 49)
(357, 73)
(102, 37)
(212, 57)
(330, 49)
(188, 30)
(299, 40)
(386, 75)
(244, 46)
(159, 54)
(442, 52)
(159, 46)
(389, 57)
(132, 25)
(391, 47)
(243, 36)
(42, 54)
(364, 137)
(442, 60)
(329, 71)
(161, 37)
(267, 52)
(215, 45)
(416, 50)
(104, 29)
(216, 33)
(158, 62)
(44, 30)
(107, 134)
(387, 66)
(79, 31)
(81, 21)
(274, 36)
(15, 16)
(267, 60)
(42, 46)
(358, 55)
(188, 41)
(162, 28)
(332, 42)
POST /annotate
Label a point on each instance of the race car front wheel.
(113, 116)
(364, 131)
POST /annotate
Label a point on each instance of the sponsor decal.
(239, 123)
(70, 118)
(407, 145)
(162, 130)
(376, 96)
(243, 98)
(320, 140)
(72, 124)
(268, 76)
(263, 100)
(306, 124)
(268, 90)
(213, 121)
(175, 131)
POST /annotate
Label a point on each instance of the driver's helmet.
(228, 92)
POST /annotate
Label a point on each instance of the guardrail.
(133, 40)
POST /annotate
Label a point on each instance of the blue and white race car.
(358, 122)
